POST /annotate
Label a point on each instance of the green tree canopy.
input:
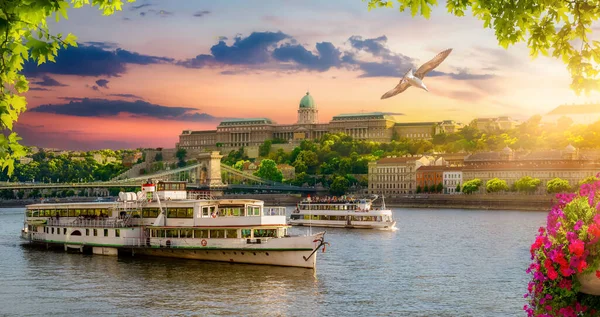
(339, 186)
(471, 186)
(268, 170)
(265, 148)
(557, 28)
(495, 185)
(557, 185)
(527, 184)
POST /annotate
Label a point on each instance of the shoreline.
(533, 203)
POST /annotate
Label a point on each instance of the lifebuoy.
(203, 242)
(214, 215)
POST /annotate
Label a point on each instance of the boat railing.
(273, 211)
(199, 195)
(101, 223)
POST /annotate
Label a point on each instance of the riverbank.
(487, 202)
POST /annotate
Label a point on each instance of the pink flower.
(576, 247)
(578, 225)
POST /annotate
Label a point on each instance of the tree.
(548, 27)
(158, 157)
(339, 186)
(557, 185)
(419, 189)
(588, 180)
(265, 148)
(527, 184)
(439, 188)
(432, 189)
(24, 34)
(180, 154)
(471, 186)
(268, 170)
(495, 185)
(458, 188)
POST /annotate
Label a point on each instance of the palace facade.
(373, 126)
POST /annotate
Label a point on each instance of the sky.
(140, 77)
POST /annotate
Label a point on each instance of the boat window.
(172, 233)
(64, 230)
(117, 233)
(64, 213)
(324, 217)
(106, 232)
(160, 233)
(171, 213)
(295, 217)
(52, 230)
(28, 213)
(95, 232)
(246, 233)
(265, 233)
(185, 233)
(231, 233)
(222, 212)
(205, 212)
(213, 209)
(237, 212)
(87, 232)
(315, 217)
(105, 212)
(200, 234)
(181, 213)
(217, 233)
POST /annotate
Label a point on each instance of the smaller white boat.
(342, 212)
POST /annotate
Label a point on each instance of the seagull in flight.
(416, 78)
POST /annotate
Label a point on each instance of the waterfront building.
(395, 175)
(252, 132)
(495, 124)
(452, 177)
(580, 114)
(428, 176)
(569, 164)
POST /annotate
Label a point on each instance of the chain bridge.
(208, 174)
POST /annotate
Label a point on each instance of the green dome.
(307, 101)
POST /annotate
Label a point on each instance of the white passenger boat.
(342, 213)
(161, 220)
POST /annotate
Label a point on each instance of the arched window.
(76, 233)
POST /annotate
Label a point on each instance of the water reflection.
(438, 263)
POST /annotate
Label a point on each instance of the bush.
(567, 246)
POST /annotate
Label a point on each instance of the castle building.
(252, 132)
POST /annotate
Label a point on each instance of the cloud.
(102, 45)
(39, 89)
(160, 13)
(253, 50)
(67, 140)
(137, 7)
(202, 13)
(95, 88)
(48, 81)
(88, 107)
(132, 96)
(328, 56)
(102, 83)
(89, 60)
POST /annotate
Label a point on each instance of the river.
(438, 263)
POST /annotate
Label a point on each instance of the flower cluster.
(566, 249)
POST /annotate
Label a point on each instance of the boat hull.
(343, 224)
(289, 258)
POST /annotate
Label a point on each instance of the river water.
(438, 263)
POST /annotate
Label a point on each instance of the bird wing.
(402, 86)
(432, 64)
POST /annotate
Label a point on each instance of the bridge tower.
(209, 171)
